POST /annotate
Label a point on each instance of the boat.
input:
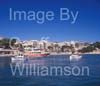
(19, 57)
(36, 53)
(75, 57)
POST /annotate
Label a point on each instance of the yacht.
(36, 53)
(75, 57)
(19, 57)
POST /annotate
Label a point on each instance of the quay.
(8, 52)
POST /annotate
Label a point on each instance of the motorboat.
(36, 53)
(19, 57)
(75, 57)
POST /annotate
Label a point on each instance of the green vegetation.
(91, 47)
(5, 43)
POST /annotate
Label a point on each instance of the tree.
(50, 48)
(88, 49)
(5, 43)
(65, 48)
(77, 45)
(97, 45)
(57, 47)
(13, 41)
(34, 44)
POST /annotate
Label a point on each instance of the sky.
(86, 27)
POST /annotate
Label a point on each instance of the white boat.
(75, 57)
(34, 52)
(19, 57)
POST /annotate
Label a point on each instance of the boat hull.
(75, 57)
(17, 59)
(36, 55)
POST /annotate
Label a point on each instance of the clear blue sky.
(86, 28)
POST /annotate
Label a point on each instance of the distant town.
(52, 47)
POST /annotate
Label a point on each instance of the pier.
(7, 52)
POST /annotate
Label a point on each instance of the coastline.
(7, 55)
(51, 53)
(70, 53)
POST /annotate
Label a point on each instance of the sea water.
(90, 61)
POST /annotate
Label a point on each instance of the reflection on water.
(92, 61)
(4, 62)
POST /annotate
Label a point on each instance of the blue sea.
(90, 61)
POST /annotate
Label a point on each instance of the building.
(53, 46)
